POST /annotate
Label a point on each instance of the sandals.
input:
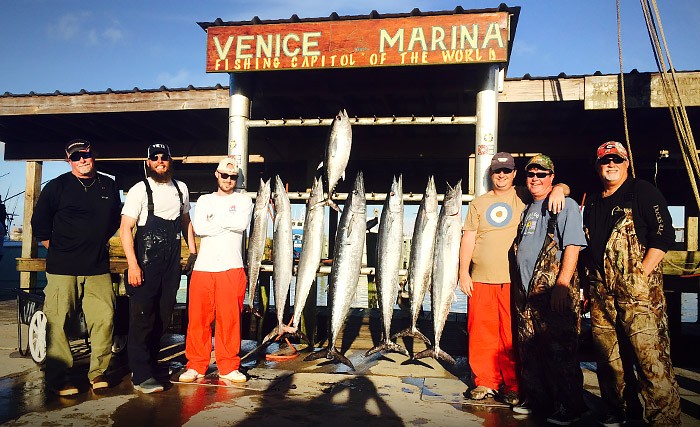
(482, 392)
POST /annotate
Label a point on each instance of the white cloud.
(82, 27)
(180, 79)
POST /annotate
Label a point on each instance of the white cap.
(228, 165)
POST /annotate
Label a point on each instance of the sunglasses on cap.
(75, 157)
(607, 159)
(539, 175)
(504, 170)
(162, 157)
(227, 175)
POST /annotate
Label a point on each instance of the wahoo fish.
(389, 253)
(445, 267)
(337, 154)
(420, 267)
(311, 250)
(282, 255)
(256, 242)
(345, 271)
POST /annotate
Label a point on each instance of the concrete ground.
(385, 390)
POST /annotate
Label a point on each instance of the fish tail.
(446, 357)
(429, 352)
(387, 346)
(410, 332)
(315, 356)
(334, 354)
(332, 204)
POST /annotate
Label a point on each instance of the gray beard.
(167, 176)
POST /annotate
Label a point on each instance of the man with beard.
(158, 207)
(74, 218)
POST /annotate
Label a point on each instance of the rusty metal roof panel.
(515, 10)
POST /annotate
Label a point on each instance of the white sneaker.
(189, 376)
(234, 376)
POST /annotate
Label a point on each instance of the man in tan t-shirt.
(489, 231)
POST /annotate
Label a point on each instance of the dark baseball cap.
(77, 145)
(502, 160)
(158, 148)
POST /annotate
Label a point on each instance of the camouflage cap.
(541, 160)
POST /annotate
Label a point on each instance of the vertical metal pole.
(238, 116)
(486, 129)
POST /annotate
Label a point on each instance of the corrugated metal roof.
(372, 15)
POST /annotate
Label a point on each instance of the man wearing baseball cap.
(546, 301)
(158, 208)
(629, 229)
(489, 231)
(74, 218)
(218, 283)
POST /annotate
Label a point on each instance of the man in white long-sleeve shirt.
(218, 283)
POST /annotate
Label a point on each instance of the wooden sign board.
(417, 40)
(642, 90)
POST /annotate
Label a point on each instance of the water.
(689, 301)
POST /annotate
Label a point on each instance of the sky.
(70, 45)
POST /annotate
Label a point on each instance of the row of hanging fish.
(434, 259)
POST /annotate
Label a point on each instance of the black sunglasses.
(539, 175)
(227, 176)
(75, 157)
(162, 157)
(504, 170)
(607, 159)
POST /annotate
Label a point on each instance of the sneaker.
(481, 392)
(99, 382)
(612, 421)
(151, 385)
(234, 376)
(509, 397)
(66, 389)
(189, 376)
(523, 408)
(562, 417)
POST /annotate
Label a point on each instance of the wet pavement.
(385, 390)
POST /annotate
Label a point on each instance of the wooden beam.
(30, 248)
(691, 234)
(159, 100)
(681, 263)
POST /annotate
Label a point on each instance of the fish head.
(280, 197)
(263, 196)
(356, 199)
(316, 196)
(394, 200)
(452, 204)
(430, 199)
(341, 130)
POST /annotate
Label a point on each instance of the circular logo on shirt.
(499, 214)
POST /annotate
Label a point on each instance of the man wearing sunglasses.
(484, 276)
(158, 208)
(218, 284)
(546, 301)
(629, 229)
(74, 217)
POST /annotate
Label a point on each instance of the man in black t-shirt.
(74, 217)
(629, 230)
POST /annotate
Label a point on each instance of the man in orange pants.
(489, 231)
(218, 283)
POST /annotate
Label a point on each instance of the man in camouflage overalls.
(628, 227)
(546, 302)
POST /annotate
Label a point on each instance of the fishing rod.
(21, 192)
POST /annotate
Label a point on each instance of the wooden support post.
(691, 233)
(30, 248)
(264, 289)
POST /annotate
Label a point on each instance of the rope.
(622, 87)
(679, 116)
